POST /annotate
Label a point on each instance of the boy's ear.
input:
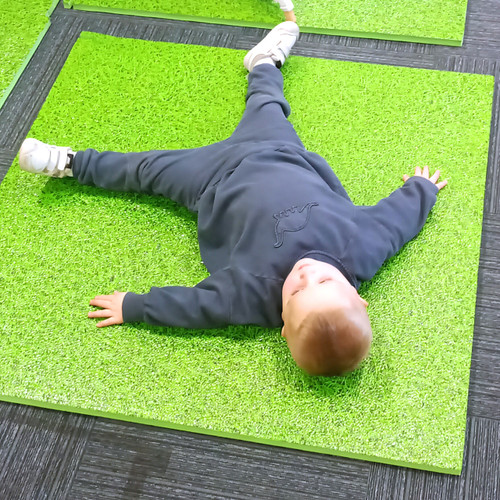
(283, 333)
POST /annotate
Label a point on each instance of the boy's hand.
(425, 174)
(111, 309)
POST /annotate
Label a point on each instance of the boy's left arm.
(393, 221)
(419, 172)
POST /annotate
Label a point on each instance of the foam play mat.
(22, 26)
(62, 244)
(427, 21)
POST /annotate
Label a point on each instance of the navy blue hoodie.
(277, 206)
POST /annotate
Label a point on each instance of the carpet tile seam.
(491, 221)
(487, 263)
(92, 421)
(487, 330)
(490, 252)
(481, 388)
(375, 472)
(481, 319)
(489, 308)
(476, 401)
(69, 452)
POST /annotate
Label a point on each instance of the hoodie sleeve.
(384, 228)
(227, 297)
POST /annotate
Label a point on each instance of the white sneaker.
(40, 158)
(276, 45)
(285, 5)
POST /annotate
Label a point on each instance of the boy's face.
(310, 284)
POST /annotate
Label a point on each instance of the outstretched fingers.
(100, 301)
(435, 176)
(101, 313)
(108, 322)
(111, 309)
(424, 172)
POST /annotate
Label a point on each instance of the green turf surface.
(62, 244)
(427, 21)
(22, 26)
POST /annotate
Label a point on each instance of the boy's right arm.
(205, 306)
(229, 296)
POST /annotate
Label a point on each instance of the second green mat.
(22, 26)
(62, 244)
(426, 21)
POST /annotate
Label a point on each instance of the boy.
(282, 240)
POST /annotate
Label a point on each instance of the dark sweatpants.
(183, 175)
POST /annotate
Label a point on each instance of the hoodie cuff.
(426, 183)
(133, 308)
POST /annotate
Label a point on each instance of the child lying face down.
(283, 242)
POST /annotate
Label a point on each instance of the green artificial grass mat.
(22, 26)
(426, 21)
(62, 244)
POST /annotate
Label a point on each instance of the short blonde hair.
(333, 341)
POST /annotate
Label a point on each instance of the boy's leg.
(267, 110)
(266, 113)
(181, 175)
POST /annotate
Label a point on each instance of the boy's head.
(326, 325)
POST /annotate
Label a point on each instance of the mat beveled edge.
(228, 435)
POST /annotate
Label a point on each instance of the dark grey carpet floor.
(51, 455)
